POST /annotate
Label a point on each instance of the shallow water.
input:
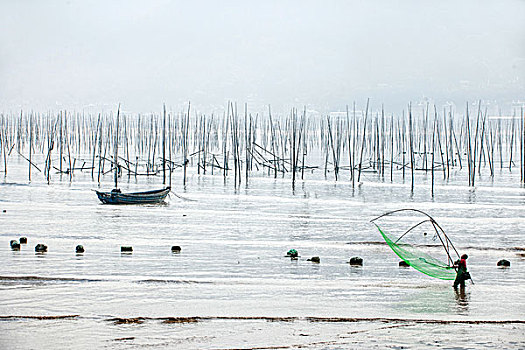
(232, 265)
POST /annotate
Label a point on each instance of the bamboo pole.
(30, 144)
(116, 147)
(433, 148)
(363, 143)
(94, 147)
(411, 146)
(164, 145)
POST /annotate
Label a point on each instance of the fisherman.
(462, 274)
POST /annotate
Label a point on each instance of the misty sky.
(324, 54)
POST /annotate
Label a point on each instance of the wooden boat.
(115, 196)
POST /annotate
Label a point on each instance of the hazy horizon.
(92, 55)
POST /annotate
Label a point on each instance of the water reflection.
(356, 270)
(434, 300)
(462, 300)
(472, 195)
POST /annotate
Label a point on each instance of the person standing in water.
(462, 274)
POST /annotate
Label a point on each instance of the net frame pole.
(434, 223)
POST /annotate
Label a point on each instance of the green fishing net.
(418, 259)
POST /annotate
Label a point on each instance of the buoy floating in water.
(14, 245)
(79, 249)
(314, 259)
(125, 249)
(41, 248)
(292, 253)
(356, 261)
(504, 263)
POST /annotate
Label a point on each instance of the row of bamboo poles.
(346, 146)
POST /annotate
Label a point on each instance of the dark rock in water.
(403, 263)
(314, 259)
(292, 253)
(504, 263)
(175, 249)
(126, 249)
(79, 249)
(41, 248)
(23, 240)
(356, 261)
(14, 245)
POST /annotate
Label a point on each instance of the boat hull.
(148, 197)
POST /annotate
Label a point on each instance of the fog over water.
(90, 55)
